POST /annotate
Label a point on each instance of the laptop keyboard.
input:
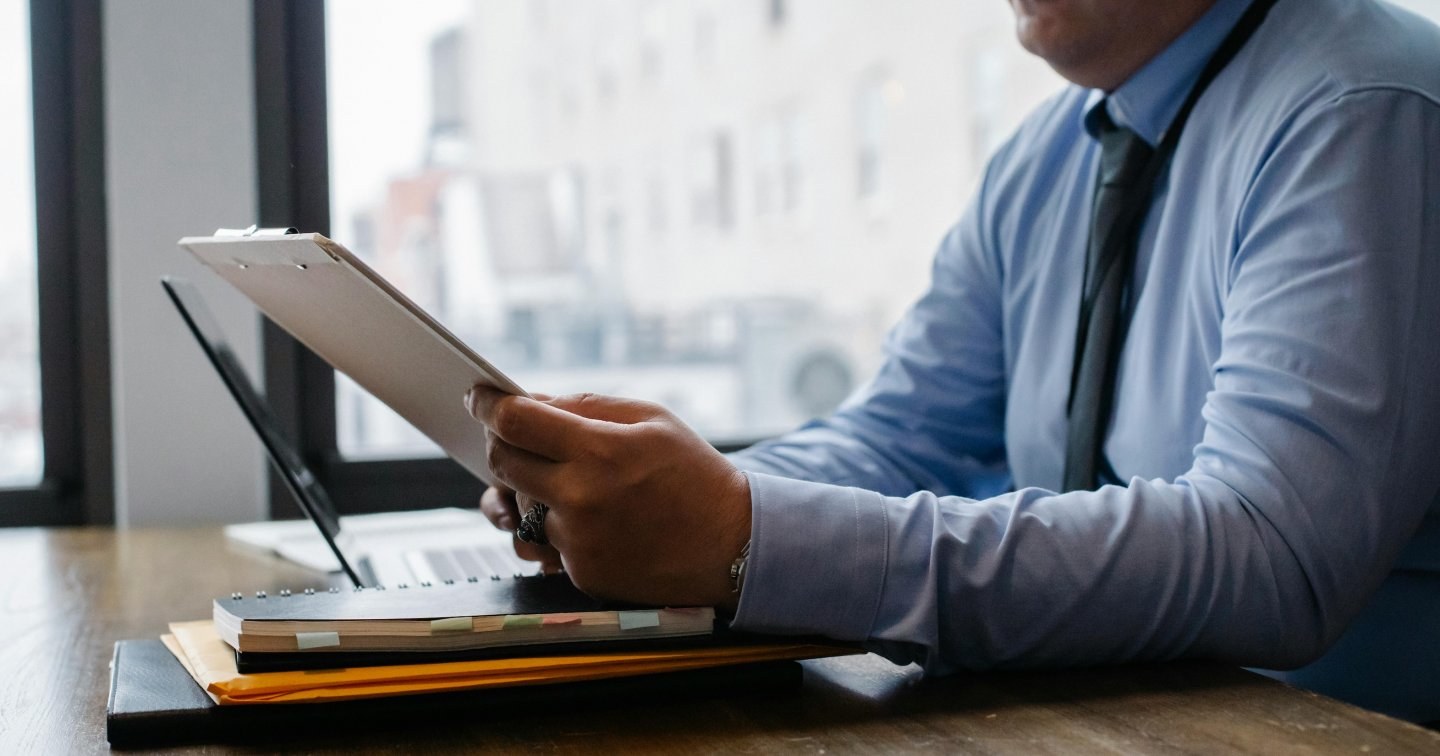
(439, 565)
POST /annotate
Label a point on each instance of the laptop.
(392, 549)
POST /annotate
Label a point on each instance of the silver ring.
(532, 525)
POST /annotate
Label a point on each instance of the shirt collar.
(1149, 100)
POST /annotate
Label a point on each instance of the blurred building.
(718, 205)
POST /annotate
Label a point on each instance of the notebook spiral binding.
(286, 592)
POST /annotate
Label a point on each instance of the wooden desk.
(67, 594)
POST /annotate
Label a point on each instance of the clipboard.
(355, 320)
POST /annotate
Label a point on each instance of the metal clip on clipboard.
(254, 231)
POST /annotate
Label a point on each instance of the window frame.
(77, 478)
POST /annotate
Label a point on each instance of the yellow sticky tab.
(451, 625)
(522, 620)
(638, 620)
(307, 641)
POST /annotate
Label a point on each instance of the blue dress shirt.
(1277, 419)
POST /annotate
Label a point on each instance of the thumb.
(611, 409)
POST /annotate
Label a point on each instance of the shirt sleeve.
(1316, 464)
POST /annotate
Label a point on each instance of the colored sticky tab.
(522, 620)
(637, 620)
(308, 641)
(562, 619)
(451, 625)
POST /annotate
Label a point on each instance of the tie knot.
(1122, 152)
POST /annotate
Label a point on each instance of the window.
(398, 184)
(767, 167)
(870, 109)
(21, 451)
(652, 40)
(780, 164)
(794, 142)
(1427, 8)
(778, 11)
(704, 38)
(713, 195)
(54, 365)
(647, 199)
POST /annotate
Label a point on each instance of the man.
(1272, 433)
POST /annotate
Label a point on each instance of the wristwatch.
(737, 569)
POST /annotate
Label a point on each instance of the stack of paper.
(364, 643)
(537, 610)
(212, 664)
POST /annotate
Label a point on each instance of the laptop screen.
(298, 478)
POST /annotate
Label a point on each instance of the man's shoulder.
(1058, 116)
(1322, 50)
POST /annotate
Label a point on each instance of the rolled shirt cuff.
(818, 556)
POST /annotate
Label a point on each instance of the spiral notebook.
(516, 614)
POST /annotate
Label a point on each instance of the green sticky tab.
(522, 620)
(451, 625)
(638, 620)
(306, 641)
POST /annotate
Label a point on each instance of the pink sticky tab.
(561, 619)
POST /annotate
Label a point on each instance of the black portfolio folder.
(154, 702)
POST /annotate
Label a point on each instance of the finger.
(533, 426)
(524, 502)
(522, 470)
(610, 409)
(547, 556)
(499, 507)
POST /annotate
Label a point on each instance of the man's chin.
(1026, 32)
(1054, 40)
(1038, 35)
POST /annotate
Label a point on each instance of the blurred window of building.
(704, 38)
(653, 37)
(794, 149)
(21, 446)
(778, 9)
(767, 167)
(712, 168)
(657, 203)
(658, 199)
(870, 137)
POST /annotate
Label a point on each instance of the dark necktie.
(1099, 336)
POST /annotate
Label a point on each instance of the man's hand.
(641, 508)
(499, 504)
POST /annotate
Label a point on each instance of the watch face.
(737, 569)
